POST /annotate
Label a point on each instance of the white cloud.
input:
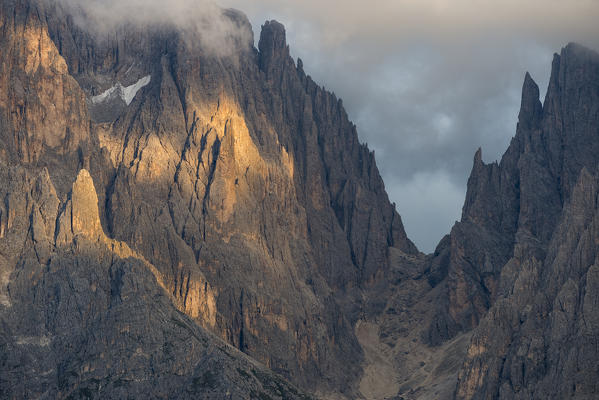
(199, 20)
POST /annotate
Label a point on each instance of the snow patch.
(129, 92)
(126, 93)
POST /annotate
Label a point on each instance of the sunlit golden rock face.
(42, 105)
(262, 192)
(80, 220)
(252, 205)
(85, 217)
(228, 199)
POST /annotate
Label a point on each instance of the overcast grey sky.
(427, 82)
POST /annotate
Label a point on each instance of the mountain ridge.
(196, 165)
(236, 192)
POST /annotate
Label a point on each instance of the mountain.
(178, 222)
(510, 300)
(539, 337)
(237, 181)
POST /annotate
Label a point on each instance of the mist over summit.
(218, 30)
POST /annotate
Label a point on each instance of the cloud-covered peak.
(202, 22)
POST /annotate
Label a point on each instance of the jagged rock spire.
(531, 108)
(272, 45)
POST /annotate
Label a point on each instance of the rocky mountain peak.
(240, 179)
(535, 238)
(80, 216)
(478, 157)
(576, 51)
(531, 108)
(85, 215)
(516, 204)
(272, 45)
(574, 72)
(272, 36)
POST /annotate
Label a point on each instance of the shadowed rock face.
(536, 341)
(519, 201)
(516, 274)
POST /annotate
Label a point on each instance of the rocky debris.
(399, 362)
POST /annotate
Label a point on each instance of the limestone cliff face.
(517, 272)
(41, 104)
(519, 200)
(237, 181)
(537, 339)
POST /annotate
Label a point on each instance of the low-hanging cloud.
(198, 20)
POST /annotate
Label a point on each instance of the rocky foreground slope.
(181, 223)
